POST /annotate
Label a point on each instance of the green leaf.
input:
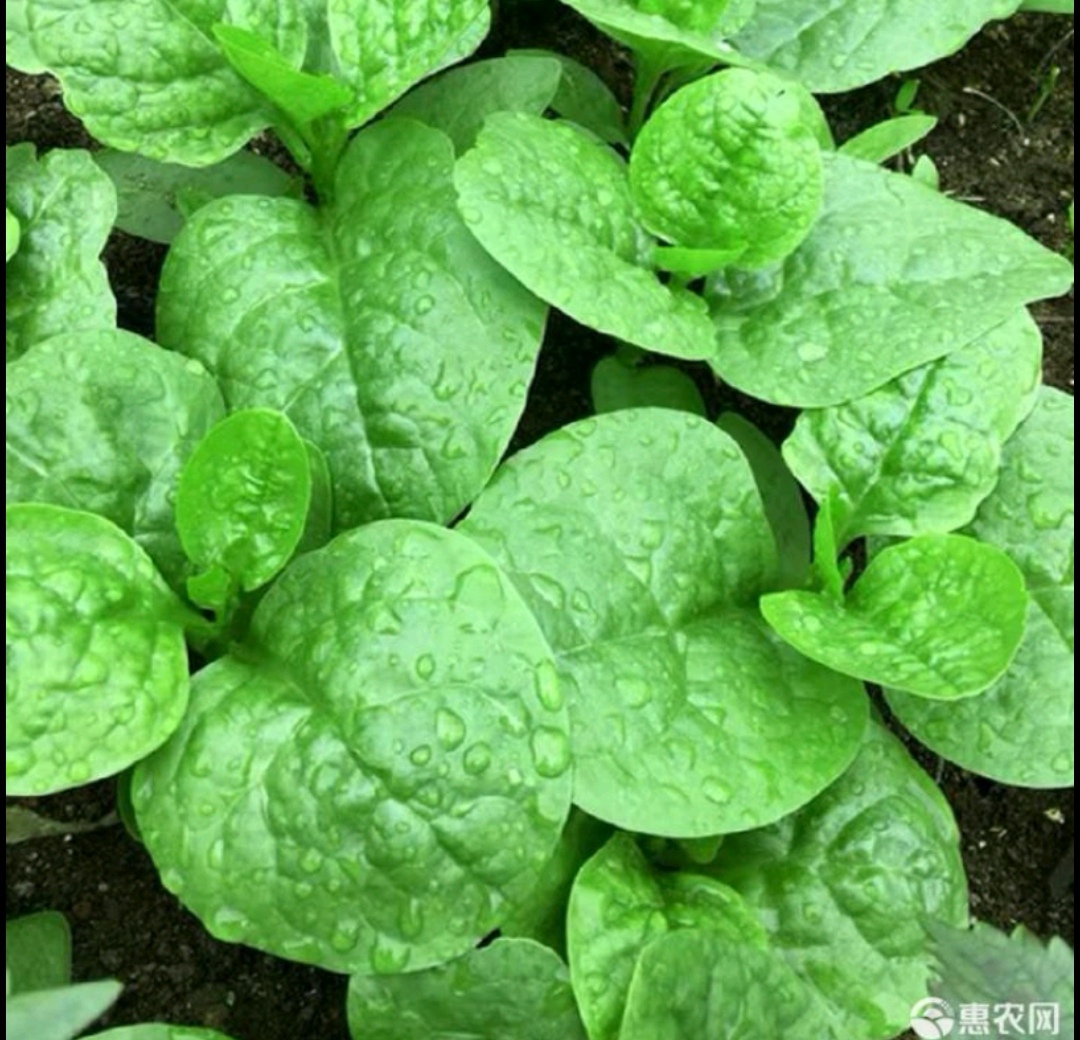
(19, 54)
(842, 885)
(926, 173)
(1021, 730)
(58, 1014)
(639, 541)
(981, 965)
(941, 616)
(616, 385)
(846, 44)
(242, 498)
(512, 988)
(55, 282)
(460, 100)
(884, 140)
(38, 952)
(303, 96)
(893, 275)
(919, 454)
(157, 1031)
(381, 772)
(619, 905)
(14, 233)
(154, 197)
(828, 574)
(103, 421)
(543, 915)
(1049, 6)
(583, 97)
(97, 668)
(530, 181)
(780, 496)
(701, 984)
(693, 263)
(729, 163)
(378, 325)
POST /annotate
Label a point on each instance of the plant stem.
(648, 72)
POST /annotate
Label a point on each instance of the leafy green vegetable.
(460, 100)
(941, 616)
(619, 906)
(701, 984)
(847, 43)
(38, 952)
(917, 455)
(1021, 730)
(376, 324)
(379, 774)
(242, 498)
(854, 307)
(639, 541)
(65, 208)
(158, 1031)
(621, 381)
(512, 988)
(530, 181)
(97, 669)
(155, 197)
(729, 163)
(882, 141)
(842, 885)
(13, 233)
(103, 421)
(58, 1014)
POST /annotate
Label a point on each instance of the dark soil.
(1000, 144)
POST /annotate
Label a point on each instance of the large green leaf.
(619, 905)
(512, 988)
(96, 664)
(919, 454)
(103, 421)
(691, 984)
(639, 541)
(941, 616)
(58, 1014)
(530, 181)
(1021, 730)
(843, 44)
(379, 774)
(729, 163)
(65, 207)
(378, 325)
(38, 951)
(158, 1031)
(893, 275)
(843, 885)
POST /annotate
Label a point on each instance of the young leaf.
(529, 181)
(847, 43)
(103, 421)
(377, 325)
(728, 163)
(158, 1031)
(14, 233)
(512, 988)
(882, 141)
(842, 885)
(58, 1014)
(639, 541)
(693, 263)
(615, 385)
(1021, 730)
(699, 984)
(303, 96)
(458, 101)
(780, 496)
(917, 455)
(242, 498)
(38, 952)
(381, 771)
(155, 197)
(65, 206)
(941, 616)
(856, 306)
(619, 905)
(97, 667)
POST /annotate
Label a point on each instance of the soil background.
(1004, 142)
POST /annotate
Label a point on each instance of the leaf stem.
(648, 72)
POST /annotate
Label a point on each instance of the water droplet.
(411, 919)
(425, 666)
(310, 861)
(716, 791)
(811, 352)
(477, 759)
(388, 957)
(421, 755)
(449, 728)
(550, 752)
(548, 688)
(215, 855)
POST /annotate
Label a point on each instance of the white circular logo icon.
(932, 1019)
